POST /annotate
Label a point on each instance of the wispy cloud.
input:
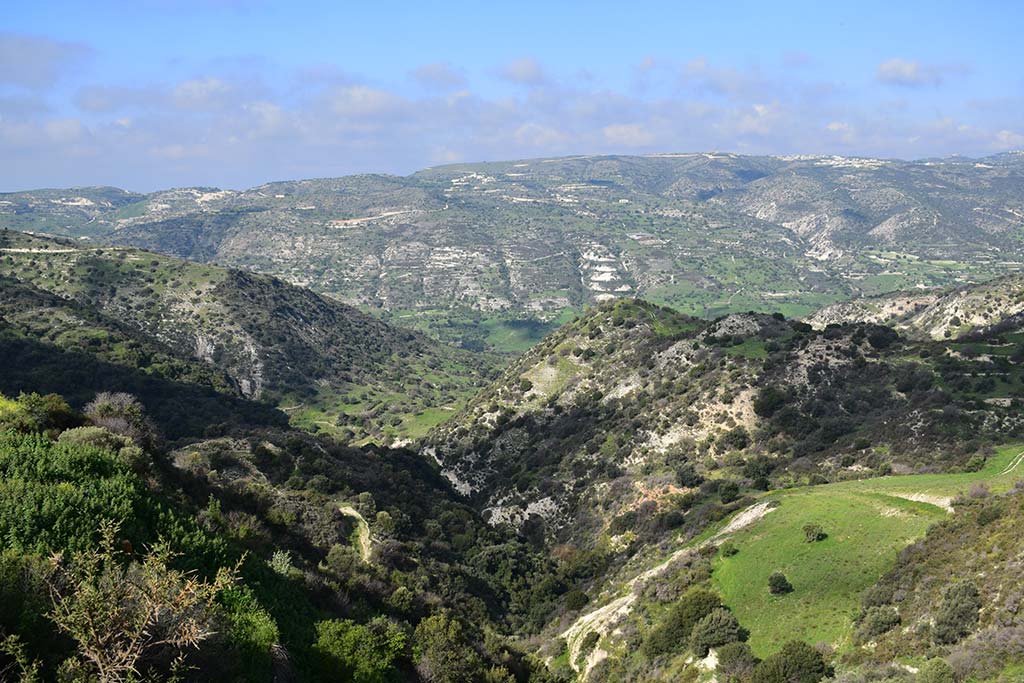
(524, 71)
(233, 129)
(439, 75)
(912, 74)
(36, 62)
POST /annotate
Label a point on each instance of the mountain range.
(496, 254)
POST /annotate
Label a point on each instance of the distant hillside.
(325, 363)
(950, 314)
(623, 411)
(496, 254)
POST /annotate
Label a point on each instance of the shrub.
(123, 616)
(778, 584)
(589, 643)
(576, 599)
(673, 633)
(728, 491)
(735, 439)
(936, 671)
(797, 662)
(876, 621)
(728, 549)
(361, 654)
(735, 661)
(770, 400)
(717, 628)
(813, 532)
(958, 614)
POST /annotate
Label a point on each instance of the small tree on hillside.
(797, 662)
(936, 671)
(778, 584)
(717, 628)
(813, 532)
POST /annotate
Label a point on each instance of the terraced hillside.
(496, 254)
(327, 365)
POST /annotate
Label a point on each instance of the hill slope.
(611, 423)
(955, 313)
(326, 363)
(469, 249)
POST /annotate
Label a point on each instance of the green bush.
(717, 628)
(736, 661)
(797, 662)
(936, 671)
(876, 621)
(672, 634)
(958, 613)
(361, 654)
(443, 651)
(778, 584)
(813, 532)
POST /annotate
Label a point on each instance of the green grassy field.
(867, 522)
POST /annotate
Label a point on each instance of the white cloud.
(525, 71)
(913, 74)
(439, 75)
(628, 135)
(36, 62)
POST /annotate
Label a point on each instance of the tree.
(122, 615)
(673, 633)
(778, 584)
(797, 662)
(717, 628)
(361, 654)
(443, 652)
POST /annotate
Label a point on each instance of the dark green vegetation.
(233, 558)
(205, 329)
(492, 254)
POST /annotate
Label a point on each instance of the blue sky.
(156, 93)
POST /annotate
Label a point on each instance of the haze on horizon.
(233, 93)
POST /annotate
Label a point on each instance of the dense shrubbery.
(958, 613)
(797, 662)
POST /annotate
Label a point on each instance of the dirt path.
(14, 250)
(1013, 463)
(362, 531)
(603, 619)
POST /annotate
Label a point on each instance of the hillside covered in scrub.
(633, 417)
(642, 496)
(326, 364)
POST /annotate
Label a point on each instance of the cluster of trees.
(699, 621)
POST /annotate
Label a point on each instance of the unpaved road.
(362, 531)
